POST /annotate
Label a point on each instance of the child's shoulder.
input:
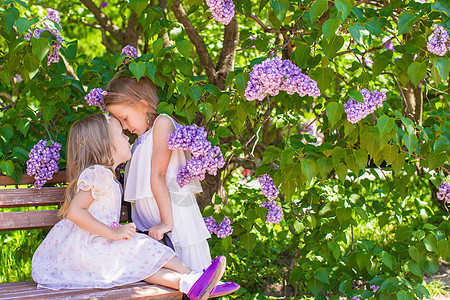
(164, 123)
(96, 172)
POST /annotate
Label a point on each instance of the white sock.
(188, 280)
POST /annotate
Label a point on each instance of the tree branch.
(227, 55)
(196, 39)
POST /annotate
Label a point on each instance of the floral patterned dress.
(71, 257)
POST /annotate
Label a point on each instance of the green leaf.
(315, 286)
(415, 254)
(185, 47)
(23, 125)
(309, 169)
(165, 108)
(415, 269)
(322, 275)
(48, 112)
(390, 285)
(430, 265)
(323, 77)
(362, 259)
(334, 112)
(317, 9)
(23, 24)
(157, 46)
(411, 142)
(280, 7)
(442, 64)
(150, 70)
(287, 156)
(442, 5)
(271, 154)
(32, 64)
(207, 110)
(444, 249)
(385, 125)
(356, 95)
(330, 27)
(302, 54)
(344, 7)
(40, 47)
(374, 26)
(406, 22)
(7, 167)
(404, 295)
(138, 6)
(430, 243)
(138, 69)
(248, 240)
(358, 31)
(381, 62)
(417, 71)
(331, 47)
(341, 171)
(195, 92)
(388, 260)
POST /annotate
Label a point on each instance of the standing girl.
(159, 204)
(87, 248)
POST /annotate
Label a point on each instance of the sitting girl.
(87, 248)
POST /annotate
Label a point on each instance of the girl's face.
(122, 146)
(132, 117)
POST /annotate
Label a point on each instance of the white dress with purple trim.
(189, 233)
(71, 257)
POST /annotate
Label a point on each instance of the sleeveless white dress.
(71, 257)
(189, 232)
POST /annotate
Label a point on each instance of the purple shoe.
(209, 279)
(223, 289)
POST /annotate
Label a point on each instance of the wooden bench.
(46, 218)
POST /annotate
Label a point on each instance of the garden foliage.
(329, 98)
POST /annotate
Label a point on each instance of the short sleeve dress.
(189, 233)
(71, 257)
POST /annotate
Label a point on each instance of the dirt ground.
(443, 276)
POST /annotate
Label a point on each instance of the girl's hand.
(124, 232)
(157, 231)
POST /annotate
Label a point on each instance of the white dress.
(71, 257)
(189, 232)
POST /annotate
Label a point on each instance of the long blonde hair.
(127, 90)
(89, 143)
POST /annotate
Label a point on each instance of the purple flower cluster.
(222, 230)
(211, 224)
(43, 162)
(53, 54)
(273, 75)
(357, 111)
(221, 10)
(103, 4)
(268, 187)
(374, 288)
(443, 193)
(129, 51)
(95, 98)
(437, 42)
(275, 213)
(205, 157)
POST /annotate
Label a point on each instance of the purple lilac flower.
(211, 224)
(95, 98)
(130, 51)
(221, 10)
(224, 229)
(438, 40)
(37, 33)
(103, 4)
(43, 162)
(443, 193)
(53, 56)
(28, 36)
(374, 288)
(368, 61)
(273, 75)
(205, 157)
(357, 111)
(268, 187)
(53, 15)
(389, 45)
(275, 214)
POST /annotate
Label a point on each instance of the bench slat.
(57, 178)
(139, 290)
(28, 219)
(30, 197)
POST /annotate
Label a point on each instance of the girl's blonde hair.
(127, 90)
(89, 143)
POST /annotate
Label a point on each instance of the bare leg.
(175, 264)
(165, 277)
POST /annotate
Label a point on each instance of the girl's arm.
(160, 161)
(78, 213)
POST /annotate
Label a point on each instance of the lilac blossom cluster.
(275, 214)
(221, 10)
(437, 42)
(129, 51)
(268, 187)
(43, 162)
(222, 230)
(53, 54)
(205, 157)
(95, 98)
(443, 193)
(275, 75)
(357, 111)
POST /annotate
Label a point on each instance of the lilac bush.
(437, 42)
(443, 193)
(275, 213)
(268, 187)
(221, 10)
(357, 111)
(95, 98)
